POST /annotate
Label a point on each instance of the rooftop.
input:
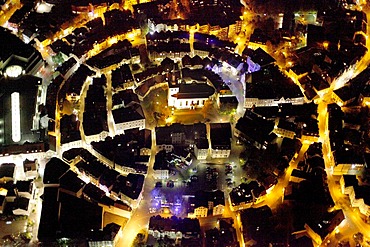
(95, 122)
(220, 134)
(195, 90)
(27, 87)
(190, 132)
(7, 170)
(185, 225)
(255, 128)
(350, 180)
(271, 83)
(348, 155)
(71, 182)
(54, 169)
(202, 198)
(127, 114)
(108, 233)
(261, 57)
(78, 217)
(243, 193)
(346, 93)
(286, 125)
(125, 97)
(14, 51)
(130, 185)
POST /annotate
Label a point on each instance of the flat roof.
(27, 87)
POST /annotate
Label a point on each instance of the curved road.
(140, 216)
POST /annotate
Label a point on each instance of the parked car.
(230, 184)
(229, 173)
(158, 185)
(170, 184)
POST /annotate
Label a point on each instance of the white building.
(128, 118)
(190, 95)
(270, 87)
(358, 195)
(201, 150)
(161, 174)
(250, 102)
(220, 134)
(347, 161)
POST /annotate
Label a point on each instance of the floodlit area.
(16, 119)
(44, 7)
(90, 86)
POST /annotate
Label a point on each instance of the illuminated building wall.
(16, 120)
(250, 102)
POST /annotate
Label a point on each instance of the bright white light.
(44, 7)
(14, 71)
(16, 119)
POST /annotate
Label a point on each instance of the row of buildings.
(75, 210)
(182, 141)
(17, 196)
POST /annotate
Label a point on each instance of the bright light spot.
(16, 119)
(44, 7)
(112, 41)
(130, 36)
(14, 71)
(325, 45)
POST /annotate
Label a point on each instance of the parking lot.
(170, 195)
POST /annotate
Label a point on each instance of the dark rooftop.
(71, 182)
(261, 57)
(125, 97)
(95, 122)
(243, 193)
(271, 83)
(27, 87)
(286, 125)
(192, 132)
(127, 114)
(54, 169)
(7, 170)
(78, 217)
(255, 128)
(346, 93)
(220, 134)
(130, 185)
(194, 90)
(256, 223)
(350, 180)
(202, 198)
(24, 186)
(348, 155)
(108, 233)
(49, 215)
(92, 168)
(185, 225)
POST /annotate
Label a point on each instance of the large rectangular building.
(18, 100)
(20, 95)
